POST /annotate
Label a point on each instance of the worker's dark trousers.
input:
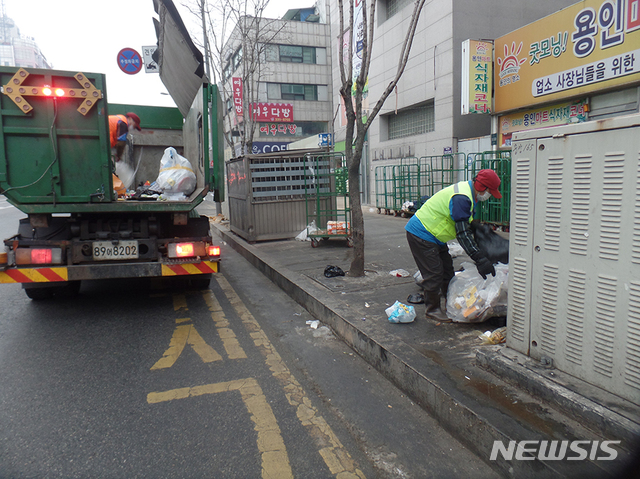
(434, 262)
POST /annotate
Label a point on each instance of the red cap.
(136, 120)
(488, 179)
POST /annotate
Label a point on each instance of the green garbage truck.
(56, 166)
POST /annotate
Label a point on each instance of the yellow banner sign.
(590, 46)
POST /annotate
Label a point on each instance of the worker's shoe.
(433, 311)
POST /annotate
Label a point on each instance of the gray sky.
(87, 36)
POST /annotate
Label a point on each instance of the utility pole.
(212, 120)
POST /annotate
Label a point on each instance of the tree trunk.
(357, 221)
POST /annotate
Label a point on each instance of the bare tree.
(237, 36)
(352, 96)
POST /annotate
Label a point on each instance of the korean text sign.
(477, 57)
(268, 112)
(589, 46)
(237, 95)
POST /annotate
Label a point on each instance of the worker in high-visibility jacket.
(443, 217)
(119, 128)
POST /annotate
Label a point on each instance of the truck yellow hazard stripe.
(34, 275)
(203, 267)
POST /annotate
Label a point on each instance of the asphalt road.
(133, 379)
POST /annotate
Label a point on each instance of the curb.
(599, 418)
(464, 417)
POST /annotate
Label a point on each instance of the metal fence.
(416, 178)
(327, 197)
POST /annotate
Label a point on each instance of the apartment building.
(289, 96)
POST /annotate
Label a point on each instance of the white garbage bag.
(471, 299)
(176, 174)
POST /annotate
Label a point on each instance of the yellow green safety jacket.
(435, 214)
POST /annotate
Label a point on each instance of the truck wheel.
(200, 281)
(69, 290)
(38, 294)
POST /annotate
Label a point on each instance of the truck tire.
(40, 292)
(200, 281)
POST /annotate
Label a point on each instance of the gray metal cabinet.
(574, 283)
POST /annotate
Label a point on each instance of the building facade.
(422, 117)
(17, 50)
(291, 97)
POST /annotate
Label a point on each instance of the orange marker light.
(184, 249)
(214, 251)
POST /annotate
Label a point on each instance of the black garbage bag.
(492, 245)
(333, 271)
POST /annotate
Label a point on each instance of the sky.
(87, 37)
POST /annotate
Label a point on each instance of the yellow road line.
(275, 460)
(183, 335)
(335, 456)
(229, 340)
(180, 302)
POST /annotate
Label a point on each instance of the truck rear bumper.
(105, 271)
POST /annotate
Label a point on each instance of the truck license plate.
(106, 250)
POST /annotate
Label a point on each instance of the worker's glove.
(485, 267)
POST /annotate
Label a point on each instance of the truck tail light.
(186, 250)
(39, 256)
(214, 251)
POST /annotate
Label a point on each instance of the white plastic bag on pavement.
(176, 174)
(400, 313)
(310, 229)
(471, 299)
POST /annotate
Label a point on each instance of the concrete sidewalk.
(480, 393)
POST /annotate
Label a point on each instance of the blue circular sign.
(129, 61)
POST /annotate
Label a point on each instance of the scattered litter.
(496, 337)
(366, 305)
(400, 313)
(415, 298)
(400, 273)
(372, 210)
(314, 324)
(332, 271)
(364, 319)
(297, 314)
(467, 377)
(455, 249)
(309, 230)
(408, 207)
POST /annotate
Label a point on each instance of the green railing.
(415, 178)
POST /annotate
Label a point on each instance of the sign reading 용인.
(589, 46)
